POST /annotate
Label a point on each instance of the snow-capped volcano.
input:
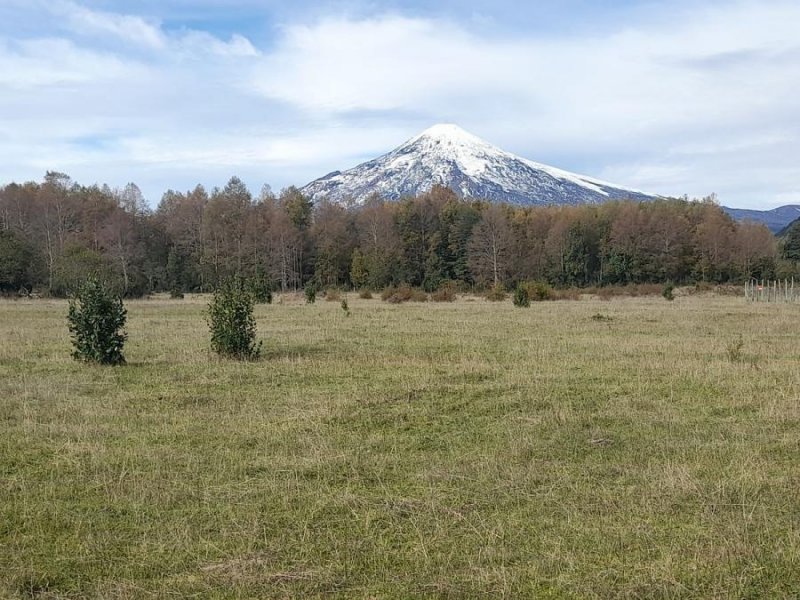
(449, 156)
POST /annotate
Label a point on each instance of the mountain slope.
(776, 219)
(794, 225)
(449, 156)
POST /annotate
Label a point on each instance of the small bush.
(396, 295)
(96, 317)
(393, 299)
(521, 297)
(310, 292)
(667, 292)
(444, 294)
(230, 318)
(496, 294)
(403, 293)
(365, 295)
(539, 291)
(332, 295)
(345, 307)
(419, 296)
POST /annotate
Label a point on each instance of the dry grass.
(419, 450)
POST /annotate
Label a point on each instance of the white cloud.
(703, 101)
(647, 80)
(146, 34)
(381, 64)
(56, 62)
(133, 29)
(200, 43)
(729, 72)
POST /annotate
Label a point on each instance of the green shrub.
(18, 258)
(667, 292)
(96, 317)
(345, 307)
(521, 297)
(539, 291)
(365, 295)
(230, 318)
(311, 293)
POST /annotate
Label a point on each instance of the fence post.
(777, 290)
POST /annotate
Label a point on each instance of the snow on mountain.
(449, 156)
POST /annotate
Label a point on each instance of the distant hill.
(776, 219)
(447, 155)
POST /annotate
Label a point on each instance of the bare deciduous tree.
(490, 245)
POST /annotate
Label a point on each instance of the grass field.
(574, 449)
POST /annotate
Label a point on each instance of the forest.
(55, 233)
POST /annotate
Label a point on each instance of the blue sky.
(672, 97)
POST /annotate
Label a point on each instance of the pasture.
(576, 449)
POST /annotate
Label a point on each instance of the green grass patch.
(451, 450)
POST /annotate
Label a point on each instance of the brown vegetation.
(55, 233)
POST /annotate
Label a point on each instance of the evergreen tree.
(17, 263)
(96, 319)
(231, 320)
(791, 241)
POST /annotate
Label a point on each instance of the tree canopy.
(56, 233)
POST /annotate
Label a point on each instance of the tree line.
(56, 233)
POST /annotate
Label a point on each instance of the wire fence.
(779, 290)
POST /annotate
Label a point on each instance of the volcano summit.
(449, 156)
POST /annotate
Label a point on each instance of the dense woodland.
(55, 233)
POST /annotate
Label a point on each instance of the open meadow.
(576, 449)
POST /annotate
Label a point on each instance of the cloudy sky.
(674, 97)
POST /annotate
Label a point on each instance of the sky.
(672, 97)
